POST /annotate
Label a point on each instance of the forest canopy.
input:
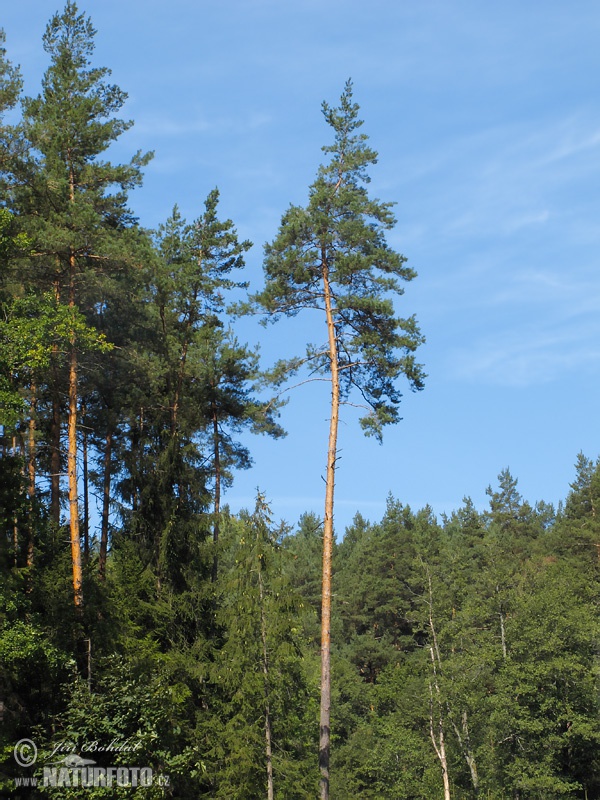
(173, 646)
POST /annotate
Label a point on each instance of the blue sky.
(487, 123)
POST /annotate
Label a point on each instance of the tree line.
(412, 658)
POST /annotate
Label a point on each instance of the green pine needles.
(332, 257)
(342, 230)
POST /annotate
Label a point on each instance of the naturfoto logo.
(73, 770)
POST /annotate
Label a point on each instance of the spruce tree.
(227, 378)
(205, 381)
(332, 257)
(263, 726)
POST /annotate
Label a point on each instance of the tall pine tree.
(332, 257)
(73, 206)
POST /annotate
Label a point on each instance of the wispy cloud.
(502, 180)
(529, 357)
(171, 127)
(164, 125)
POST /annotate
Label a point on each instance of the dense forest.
(165, 647)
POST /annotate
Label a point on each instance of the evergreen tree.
(226, 375)
(264, 739)
(194, 273)
(332, 257)
(33, 329)
(10, 90)
(306, 548)
(73, 207)
(199, 385)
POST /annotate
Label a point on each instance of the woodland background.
(469, 641)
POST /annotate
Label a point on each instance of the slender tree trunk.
(73, 493)
(72, 456)
(15, 533)
(469, 754)
(31, 455)
(217, 503)
(72, 432)
(462, 734)
(265, 659)
(436, 728)
(105, 504)
(325, 715)
(86, 499)
(464, 741)
(503, 636)
(55, 459)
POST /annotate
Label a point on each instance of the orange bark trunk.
(325, 727)
(73, 493)
(72, 454)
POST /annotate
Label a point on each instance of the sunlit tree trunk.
(464, 741)
(332, 255)
(325, 725)
(436, 725)
(55, 425)
(73, 493)
(503, 635)
(72, 442)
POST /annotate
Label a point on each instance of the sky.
(487, 123)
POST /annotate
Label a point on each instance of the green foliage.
(549, 738)
(339, 239)
(72, 203)
(32, 669)
(128, 720)
(10, 79)
(303, 569)
(386, 754)
(33, 331)
(261, 670)
(484, 627)
(12, 241)
(196, 388)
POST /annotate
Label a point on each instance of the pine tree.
(11, 240)
(73, 207)
(10, 90)
(332, 257)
